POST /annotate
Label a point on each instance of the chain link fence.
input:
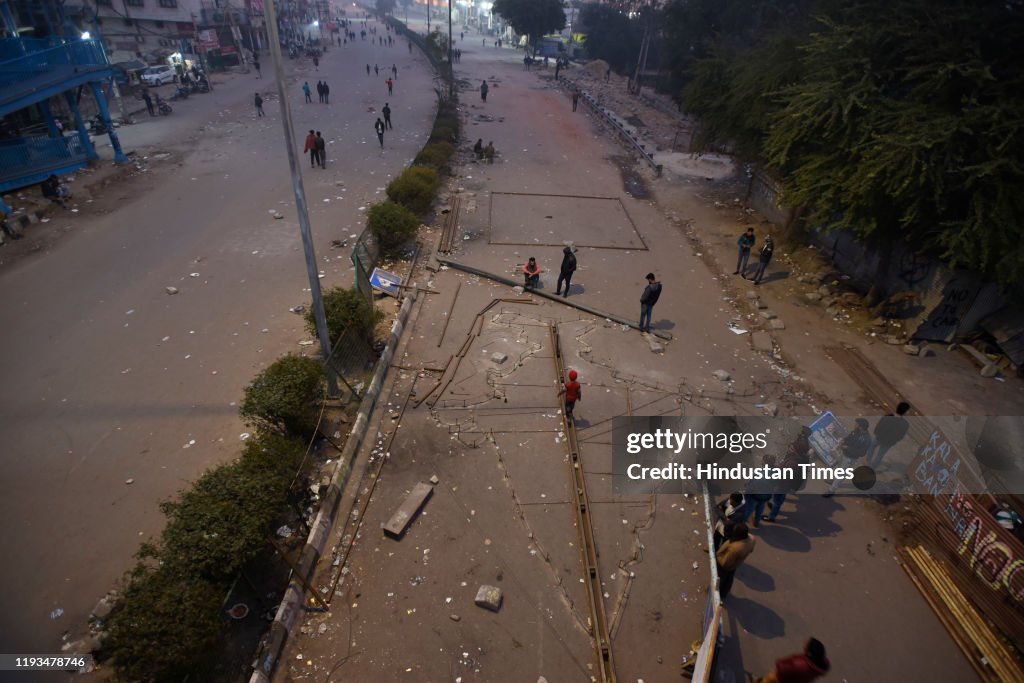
(352, 360)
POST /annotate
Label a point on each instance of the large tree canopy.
(533, 18)
(898, 119)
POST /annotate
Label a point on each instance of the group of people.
(317, 148)
(484, 153)
(323, 92)
(746, 243)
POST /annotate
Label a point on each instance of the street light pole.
(451, 64)
(300, 200)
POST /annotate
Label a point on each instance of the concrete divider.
(294, 598)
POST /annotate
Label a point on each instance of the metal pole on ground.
(300, 201)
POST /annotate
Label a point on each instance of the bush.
(392, 225)
(163, 626)
(219, 525)
(280, 456)
(442, 133)
(284, 397)
(414, 189)
(346, 309)
(435, 155)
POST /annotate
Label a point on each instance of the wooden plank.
(405, 513)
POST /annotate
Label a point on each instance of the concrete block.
(498, 357)
(776, 324)
(412, 504)
(489, 597)
(722, 375)
(762, 341)
(767, 315)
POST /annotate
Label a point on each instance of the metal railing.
(37, 154)
(55, 60)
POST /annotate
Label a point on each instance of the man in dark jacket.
(889, 431)
(853, 447)
(802, 668)
(652, 292)
(321, 150)
(387, 115)
(764, 259)
(745, 244)
(731, 512)
(565, 273)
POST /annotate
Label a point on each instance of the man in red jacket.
(573, 392)
(802, 668)
(311, 148)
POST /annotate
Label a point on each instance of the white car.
(158, 75)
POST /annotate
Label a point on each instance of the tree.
(611, 35)
(907, 126)
(533, 18)
(385, 7)
(346, 309)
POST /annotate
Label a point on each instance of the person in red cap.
(573, 392)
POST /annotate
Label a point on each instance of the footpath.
(470, 406)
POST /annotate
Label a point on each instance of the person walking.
(483, 91)
(889, 431)
(731, 555)
(327, 93)
(652, 292)
(321, 149)
(391, 86)
(379, 127)
(311, 148)
(852, 447)
(573, 392)
(368, 66)
(387, 115)
(306, 91)
(575, 98)
(730, 512)
(566, 271)
(478, 149)
(259, 105)
(489, 152)
(320, 91)
(394, 71)
(763, 259)
(531, 274)
(745, 244)
(316, 63)
(149, 102)
(805, 667)
(376, 70)
(256, 65)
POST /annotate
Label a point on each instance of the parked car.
(158, 75)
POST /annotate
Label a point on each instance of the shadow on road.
(784, 538)
(757, 619)
(755, 579)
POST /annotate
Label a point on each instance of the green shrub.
(280, 456)
(163, 626)
(435, 155)
(442, 133)
(392, 225)
(346, 309)
(284, 397)
(414, 189)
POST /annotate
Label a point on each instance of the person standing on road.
(379, 127)
(321, 149)
(566, 271)
(394, 71)
(149, 102)
(852, 447)
(376, 70)
(764, 259)
(368, 69)
(387, 115)
(652, 292)
(811, 665)
(573, 392)
(478, 149)
(489, 152)
(259, 105)
(798, 453)
(320, 91)
(483, 91)
(327, 93)
(745, 244)
(391, 86)
(759, 492)
(575, 98)
(316, 63)
(889, 431)
(306, 92)
(311, 148)
(256, 65)
(731, 512)
(731, 555)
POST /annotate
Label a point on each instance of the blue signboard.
(826, 433)
(385, 281)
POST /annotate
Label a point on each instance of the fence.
(365, 256)
(53, 61)
(704, 665)
(352, 360)
(37, 154)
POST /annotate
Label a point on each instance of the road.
(107, 378)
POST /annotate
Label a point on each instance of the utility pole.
(300, 200)
(451, 64)
(428, 17)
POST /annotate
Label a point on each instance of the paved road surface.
(107, 378)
